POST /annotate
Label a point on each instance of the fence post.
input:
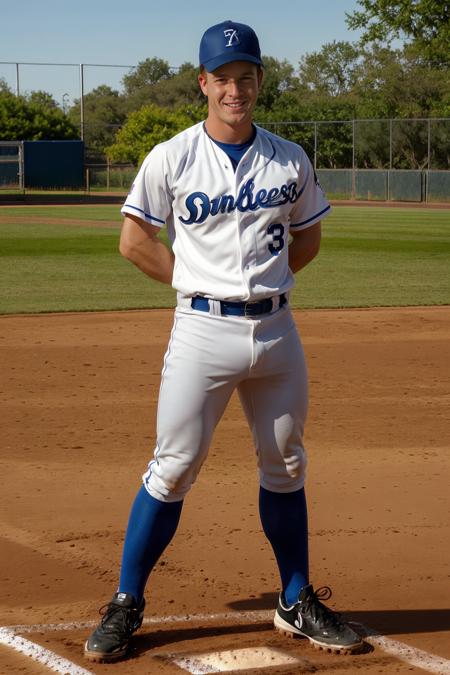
(21, 168)
(107, 173)
(82, 101)
(315, 146)
(429, 145)
(427, 173)
(88, 186)
(353, 160)
(388, 196)
(17, 80)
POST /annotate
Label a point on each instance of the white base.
(236, 659)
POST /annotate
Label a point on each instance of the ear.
(203, 82)
(260, 76)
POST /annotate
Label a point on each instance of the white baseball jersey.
(229, 229)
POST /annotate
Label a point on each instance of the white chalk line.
(411, 655)
(11, 636)
(40, 654)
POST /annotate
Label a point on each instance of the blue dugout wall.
(53, 164)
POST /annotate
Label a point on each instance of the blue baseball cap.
(226, 42)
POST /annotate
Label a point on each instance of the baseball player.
(231, 195)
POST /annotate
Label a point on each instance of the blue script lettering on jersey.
(200, 206)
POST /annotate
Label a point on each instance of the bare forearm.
(139, 243)
(154, 259)
(304, 247)
(299, 257)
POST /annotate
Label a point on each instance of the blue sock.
(151, 527)
(285, 523)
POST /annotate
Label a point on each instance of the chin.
(238, 120)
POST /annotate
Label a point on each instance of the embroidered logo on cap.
(231, 34)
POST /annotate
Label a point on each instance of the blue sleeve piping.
(147, 215)
(304, 222)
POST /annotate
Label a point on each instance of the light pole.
(65, 103)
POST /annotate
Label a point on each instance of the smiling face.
(232, 91)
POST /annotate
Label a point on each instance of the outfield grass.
(378, 256)
(75, 212)
(370, 256)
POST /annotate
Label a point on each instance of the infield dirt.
(78, 395)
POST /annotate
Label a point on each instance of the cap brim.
(221, 60)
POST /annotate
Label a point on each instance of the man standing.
(231, 194)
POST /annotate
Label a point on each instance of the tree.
(295, 116)
(396, 83)
(42, 99)
(4, 85)
(146, 73)
(33, 119)
(424, 23)
(278, 77)
(149, 126)
(180, 89)
(104, 114)
(139, 84)
(331, 71)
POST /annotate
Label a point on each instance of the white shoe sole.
(290, 631)
(101, 657)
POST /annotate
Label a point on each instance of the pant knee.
(287, 474)
(168, 486)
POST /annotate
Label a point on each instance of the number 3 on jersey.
(276, 231)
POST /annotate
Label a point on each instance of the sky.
(124, 33)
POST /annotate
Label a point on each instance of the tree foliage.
(341, 81)
(181, 89)
(396, 83)
(425, 24)
(33, 118)
(279, 77)
(146, 73)
(332, 70)
(147, 127)
(139, 85)
(104, 111)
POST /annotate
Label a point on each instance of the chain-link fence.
(393, 159)
(409, 144)
(11, 166)
(377, 159)
(110, 177)
(392, 144)
(372, 159)
(386, 185)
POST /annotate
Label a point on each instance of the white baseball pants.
(208, 357)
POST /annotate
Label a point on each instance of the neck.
(228, 134)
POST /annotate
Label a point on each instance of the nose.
(233, 88)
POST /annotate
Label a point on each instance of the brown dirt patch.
(78, 394)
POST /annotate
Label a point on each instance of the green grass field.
(370, 256)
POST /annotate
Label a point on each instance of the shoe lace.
(116, 618)
(320, 612)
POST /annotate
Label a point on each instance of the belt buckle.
(249, 304)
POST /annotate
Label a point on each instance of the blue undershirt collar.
(235, 151)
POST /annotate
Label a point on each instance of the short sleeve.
(150, 196)
(311, 205)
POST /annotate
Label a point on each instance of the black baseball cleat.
(310, 618)
(120, 619)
